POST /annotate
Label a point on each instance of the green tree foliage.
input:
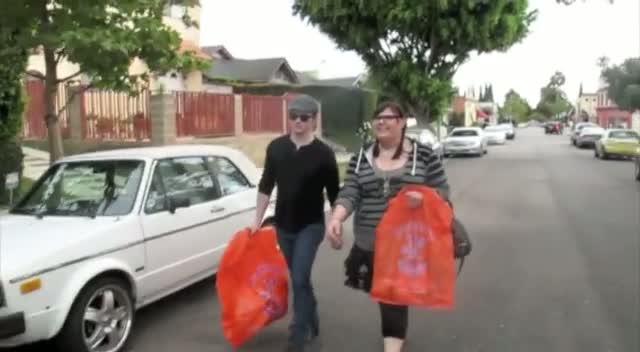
(557, 80)
(103, 37)
(415, 47)
(553, 102)
(515, 107)
(624, 83)
(14, 61)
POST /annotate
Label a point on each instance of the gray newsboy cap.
(304, 104)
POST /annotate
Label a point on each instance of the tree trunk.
(51, 115)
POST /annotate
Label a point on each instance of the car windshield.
(624, 135)
(464, 133)
(87, 188)
(494, 129)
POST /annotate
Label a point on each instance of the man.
(301, 167)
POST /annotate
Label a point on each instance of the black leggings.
(395, 320)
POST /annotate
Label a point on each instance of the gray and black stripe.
(362, 192)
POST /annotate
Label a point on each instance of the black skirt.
(359, 269)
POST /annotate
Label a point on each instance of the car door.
(236, 205)
(180, 210)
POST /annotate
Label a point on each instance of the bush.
(10, 161)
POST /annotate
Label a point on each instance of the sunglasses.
(302, 117)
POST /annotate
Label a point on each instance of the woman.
(374, 176)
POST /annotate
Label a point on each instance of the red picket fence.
(109, 115)
(202, 114)
(262, 113)
(34, 125)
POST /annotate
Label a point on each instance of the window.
(464, 133)
(230, 178)
(88, 188)
(183, 179)
(624, 135)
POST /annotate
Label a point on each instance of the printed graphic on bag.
(414, 236)
(265, 281)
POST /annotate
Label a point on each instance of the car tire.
(637, 163)
(110, 302)
(596, 154)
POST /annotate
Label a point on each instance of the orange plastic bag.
(252, 284)
(413, 254)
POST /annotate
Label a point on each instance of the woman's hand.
(414, 199)
(334, 233)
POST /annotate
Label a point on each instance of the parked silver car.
(426, 137)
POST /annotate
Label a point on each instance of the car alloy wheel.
(101, 318)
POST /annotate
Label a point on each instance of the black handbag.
(461, 242)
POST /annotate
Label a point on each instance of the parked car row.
(472, 141)
(608, 143)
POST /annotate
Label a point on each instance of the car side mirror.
(178, 202)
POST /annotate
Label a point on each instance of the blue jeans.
(299, 250)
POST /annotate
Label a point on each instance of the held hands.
(334, 233)
(414, 199)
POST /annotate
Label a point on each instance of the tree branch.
(73, 95)
(59, 56)
(37, 75)
(72, 76)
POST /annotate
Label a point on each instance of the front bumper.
(627, 151)
(463, 150)
(12, 325)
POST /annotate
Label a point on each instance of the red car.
(553, 127)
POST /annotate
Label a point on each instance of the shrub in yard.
(10, 161)
(14, 60)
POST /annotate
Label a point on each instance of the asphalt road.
(555, 267)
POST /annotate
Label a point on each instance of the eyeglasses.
(302, 117)
(387, 117)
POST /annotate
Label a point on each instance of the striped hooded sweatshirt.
(367, 189)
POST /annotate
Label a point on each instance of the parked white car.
(509, 129)
(426, 137)
(466, 141)
(103, 234)
(588, 136)
(496, 134)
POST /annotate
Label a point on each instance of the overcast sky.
(567, 39)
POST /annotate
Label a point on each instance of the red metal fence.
(34, 125)
(262, 113)
(108, 115)
(201, 114)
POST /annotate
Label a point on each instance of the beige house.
(172, 81)
(586, 106)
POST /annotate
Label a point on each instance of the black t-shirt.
(301, 176)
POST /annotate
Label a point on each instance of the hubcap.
(107, 320)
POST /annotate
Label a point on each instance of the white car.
(426, 137)
(103, 234)
(588, 136)
(466, 141)
(509, 129)
(496, 134)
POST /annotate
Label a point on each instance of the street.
(555, 267)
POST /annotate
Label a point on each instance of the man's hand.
(334, 233)
(414, 199)
(255, 227)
